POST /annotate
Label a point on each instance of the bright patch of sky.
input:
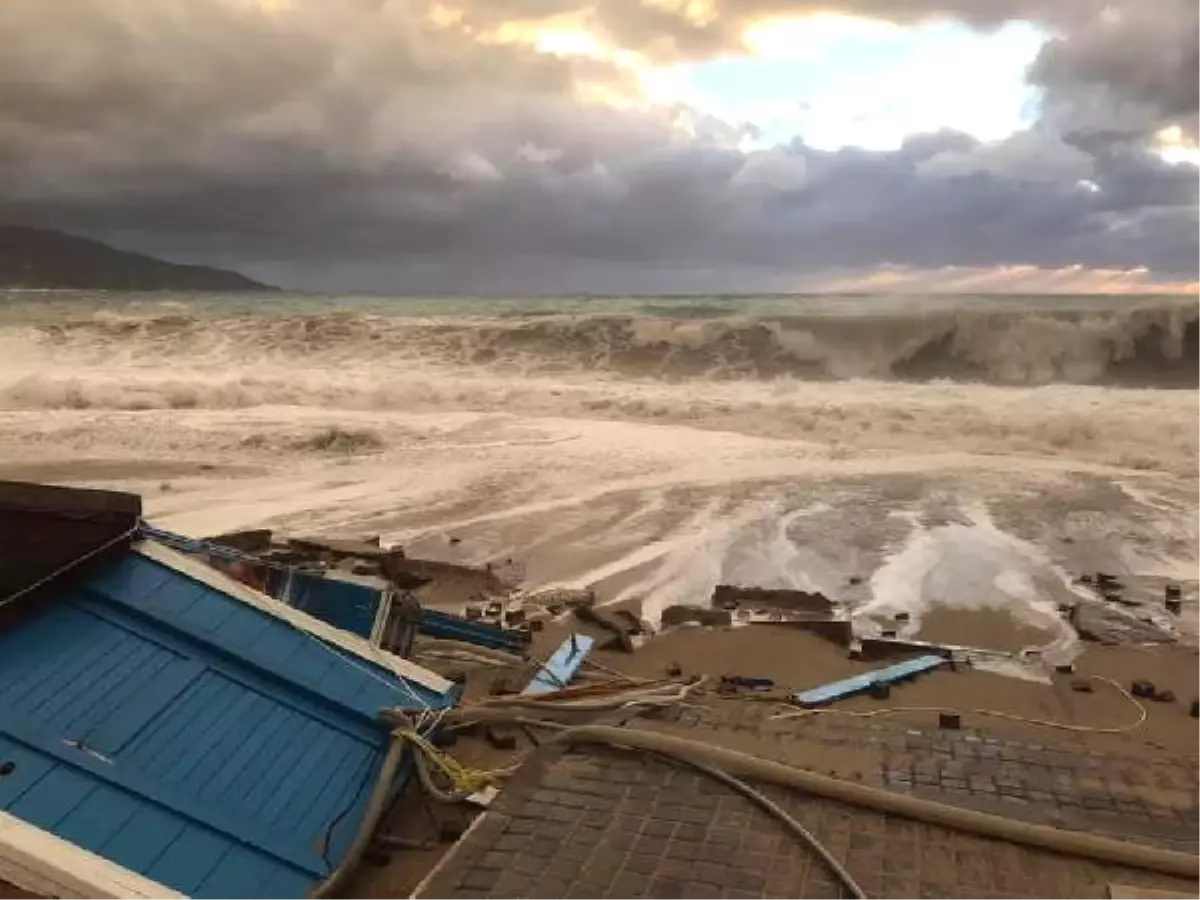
(836, 81)
(1175, 149)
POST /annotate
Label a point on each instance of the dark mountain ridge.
(45, 259)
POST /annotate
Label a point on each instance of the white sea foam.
(650, 456)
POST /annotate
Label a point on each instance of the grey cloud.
(1126, 69)
(1033, 155)
(349, 144)
(1132, 63)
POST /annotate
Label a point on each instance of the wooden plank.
(562, 666)
(443, 625)
(847, 687)
(37, 861)
(352, 644)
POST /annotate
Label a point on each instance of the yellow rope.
(464, 778)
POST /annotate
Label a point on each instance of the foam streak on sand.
(973, 565)
(650, 456)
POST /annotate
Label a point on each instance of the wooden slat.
(37, 861)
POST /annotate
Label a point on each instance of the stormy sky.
(509, 146)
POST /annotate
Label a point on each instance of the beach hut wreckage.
(174, 728)
(375, 592)
(233, 716)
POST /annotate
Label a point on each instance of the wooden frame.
(42, 863)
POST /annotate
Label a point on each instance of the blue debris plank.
(848, 687)
(443, 625)
(562, 666)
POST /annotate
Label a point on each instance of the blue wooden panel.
(284, 883)
(143, 838)
(190, 858)
(94, 681)
(443, 625)
(837, 690)
(242, 873)
(53, 797)
(562, 666)
(29, 767)
(125, 721)
(99, 817)
(348, 790)
(351, 607)
(188, 736)
(232, 750)
(255, 638)
(79, 773)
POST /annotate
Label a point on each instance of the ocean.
(904, 453)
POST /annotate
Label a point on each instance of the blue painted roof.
(188, 736)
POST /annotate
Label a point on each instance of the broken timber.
(562, 666)
(443, 625)
(848, 687)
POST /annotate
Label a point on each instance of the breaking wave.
(1146, 346)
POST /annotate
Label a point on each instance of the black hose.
(792, 823)
(376, 806)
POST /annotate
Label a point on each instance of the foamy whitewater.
(900, 453)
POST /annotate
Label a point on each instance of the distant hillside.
(39, 258)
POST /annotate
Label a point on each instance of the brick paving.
(1153, 800)
(603, 823)
(1149, 800)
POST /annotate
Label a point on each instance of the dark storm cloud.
(345, 142)
(1126, 66)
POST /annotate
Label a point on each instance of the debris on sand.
(731, 596)
(681, 615)
(557, 599)
(335, 439)
(627, 630)
(558, 670)
(1098, 622)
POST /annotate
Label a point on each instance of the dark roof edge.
(31, 497)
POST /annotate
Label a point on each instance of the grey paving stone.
(563, 832)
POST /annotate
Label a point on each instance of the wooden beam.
(42, 863)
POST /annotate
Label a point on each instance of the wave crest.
(1146, 346)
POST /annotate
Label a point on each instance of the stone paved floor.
(602, 823)
(1154, 800)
